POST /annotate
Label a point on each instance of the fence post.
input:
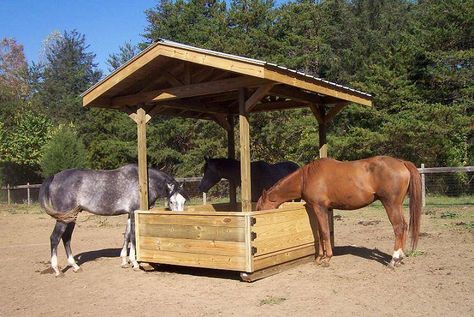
(8, 194)
(423, 186)
(28, 193)
(204, 198)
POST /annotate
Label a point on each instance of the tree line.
(414, 57)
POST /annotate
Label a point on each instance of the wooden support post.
(323, 147)
(423, 185)
(244, 127)
(141, 119)
(231, 155)
(28, 201)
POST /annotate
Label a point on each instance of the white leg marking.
(133, 258)
(126, 237)
(73, 263)
(54, 265)
(397, 257)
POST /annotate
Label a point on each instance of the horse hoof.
(78, 270)
(125, 266)
(136, 268)
(60, 275)
(391, 266)
(325, 264)
(318, 261)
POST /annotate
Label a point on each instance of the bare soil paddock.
(437, 280)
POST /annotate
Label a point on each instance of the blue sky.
(107, 24)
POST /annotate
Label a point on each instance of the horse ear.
(170, 186)
(181, 186)
(264, 193)
(206, 158)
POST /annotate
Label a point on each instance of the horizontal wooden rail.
(433, 170)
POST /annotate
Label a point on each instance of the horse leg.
(67, 246)
(325, 249)
(126, 238)
(400, 226)
(132, 257)
(320, 255)
(56, 235)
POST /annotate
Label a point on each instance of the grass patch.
(415, 253)
(270, 300)
(448, 215)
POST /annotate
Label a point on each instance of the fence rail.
(424, 171)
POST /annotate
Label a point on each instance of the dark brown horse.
(326, 184)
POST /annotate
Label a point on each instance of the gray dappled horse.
(263, 174)
(105, 193)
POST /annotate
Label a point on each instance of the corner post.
(231, 155)
(244, 153)
(141, 119)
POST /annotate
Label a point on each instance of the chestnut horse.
(326, 184)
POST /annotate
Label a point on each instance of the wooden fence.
(423, 171)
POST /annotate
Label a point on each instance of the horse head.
(211, 175)
(265, 202)
(176, 196)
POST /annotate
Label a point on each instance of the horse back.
(354, 183)
(107, 192)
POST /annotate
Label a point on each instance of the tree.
(64, 150)
(20, 146)
(68, 71)
(127, 52)
(13, 69)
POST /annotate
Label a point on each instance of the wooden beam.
(221, 119)
(317, 113)
(257, 96)
(244, 153)
(231, 155)
(192, 106)
(217, 61)
(141, 120)
(334, 111)
(295, 94)
(192, 90)
(278, 106)
(317, 86)
(187, 73)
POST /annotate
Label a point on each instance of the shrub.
(64, 150)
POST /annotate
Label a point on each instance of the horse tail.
(45, 202)
(414, 190)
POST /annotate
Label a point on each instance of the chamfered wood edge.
(269, 271)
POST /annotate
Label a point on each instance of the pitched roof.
(177, 79)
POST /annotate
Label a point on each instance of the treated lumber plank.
(261, 92)
(288, 240)
(142, 160)
(221, 62)
(214, 221)
(284, 256)
(193, 232)
(245, 176)
(295, 94)
(187, 91)
(318, 87)
(269, 271)
(285, 216)
(232, 263)
(211, 247)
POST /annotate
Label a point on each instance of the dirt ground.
(437, 280)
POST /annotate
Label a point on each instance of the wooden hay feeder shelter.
(173, 79)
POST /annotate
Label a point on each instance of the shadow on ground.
(369, 254)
